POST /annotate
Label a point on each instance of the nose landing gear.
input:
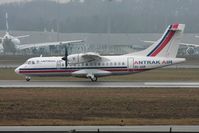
(28, 78)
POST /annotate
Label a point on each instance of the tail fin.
(167, 45)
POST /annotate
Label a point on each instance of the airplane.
(93, 65)
(12, 44)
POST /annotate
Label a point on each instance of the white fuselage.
(105, 66)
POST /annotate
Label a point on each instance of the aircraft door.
(130, 62)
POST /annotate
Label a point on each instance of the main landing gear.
(92, 77)
(28, 78)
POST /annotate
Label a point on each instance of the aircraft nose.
(17, 70)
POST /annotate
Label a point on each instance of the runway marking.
(173, 84)
(101, 84)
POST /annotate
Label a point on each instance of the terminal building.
(103, 43)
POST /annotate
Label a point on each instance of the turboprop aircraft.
(92, 65)
(9, 43)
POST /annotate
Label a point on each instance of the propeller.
(65, 58)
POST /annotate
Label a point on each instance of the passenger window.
(86, 64)
(33, 62)
(115, 63)
(111, 64)
(123, 63)
(119, 63)
(102, 64)
(106, 63)
(98, 63)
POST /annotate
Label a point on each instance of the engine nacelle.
(16, 41)
(190, 51)
(77, 58)
(73, 59)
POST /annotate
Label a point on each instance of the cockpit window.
(29, 62)
(33, 62)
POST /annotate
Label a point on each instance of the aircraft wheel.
(94, 79)
(28, 79)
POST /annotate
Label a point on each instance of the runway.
(100, 84)
(103, 129)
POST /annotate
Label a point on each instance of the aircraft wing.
(25, 46)
(185, 44)
(149, 41)
(197, 36)
(188, 44)
(22, 36)
(91, 55)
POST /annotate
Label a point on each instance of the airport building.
(102, 43)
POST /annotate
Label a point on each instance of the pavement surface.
(100, 84)
(118, 129)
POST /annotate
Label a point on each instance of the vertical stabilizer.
(167, 45)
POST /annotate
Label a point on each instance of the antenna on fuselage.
(65, 58)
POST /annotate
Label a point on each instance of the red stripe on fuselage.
(164, 43)
(70, 71)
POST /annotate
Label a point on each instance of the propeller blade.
(65, 58)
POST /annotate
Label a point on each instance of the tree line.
(101, 16)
